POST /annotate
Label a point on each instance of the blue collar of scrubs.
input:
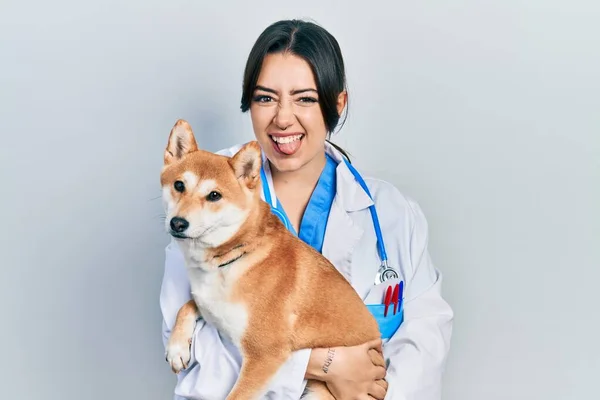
(314, 220)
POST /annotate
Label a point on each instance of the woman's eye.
(308, 100)
(213, 196)
(262, 99)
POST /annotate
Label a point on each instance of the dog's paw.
(178, 353)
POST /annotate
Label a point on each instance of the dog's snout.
(179, 224)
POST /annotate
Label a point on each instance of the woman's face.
(286, 115)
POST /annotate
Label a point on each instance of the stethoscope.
(385, 272)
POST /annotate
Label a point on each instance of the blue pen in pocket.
(390, 313)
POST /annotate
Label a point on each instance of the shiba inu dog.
(256, 282)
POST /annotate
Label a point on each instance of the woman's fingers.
(376, 358)
(375, 344)
(377, 391)
(382, 382)
(379, 369)
(379, 373)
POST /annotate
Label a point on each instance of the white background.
(487, 113)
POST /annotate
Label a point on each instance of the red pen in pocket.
(388, 300)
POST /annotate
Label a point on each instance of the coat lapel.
(343, 234)
(341, 237)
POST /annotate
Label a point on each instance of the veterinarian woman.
(294, 89)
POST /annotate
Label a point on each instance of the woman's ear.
(342, 100)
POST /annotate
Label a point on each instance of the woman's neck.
(305, 178)
(294, 188)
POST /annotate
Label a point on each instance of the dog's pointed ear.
(181, 142)
(246, 164)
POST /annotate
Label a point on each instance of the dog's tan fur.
(290, 297)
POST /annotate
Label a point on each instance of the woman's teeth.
(286, 139)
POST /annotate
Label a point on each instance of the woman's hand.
(351, 373)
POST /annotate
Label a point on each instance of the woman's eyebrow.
(265, 89)
(294, 92)
(304, 90)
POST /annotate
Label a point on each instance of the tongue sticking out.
(289, 148)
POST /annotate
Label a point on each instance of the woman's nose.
(284, 116)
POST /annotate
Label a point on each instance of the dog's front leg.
(257, 370)
(178, 347)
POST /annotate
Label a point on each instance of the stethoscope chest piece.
(384, 273)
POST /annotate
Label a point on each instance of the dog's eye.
(213, 196)
(179, 186)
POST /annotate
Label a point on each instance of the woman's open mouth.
(287, 144)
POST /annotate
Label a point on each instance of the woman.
(294, 88)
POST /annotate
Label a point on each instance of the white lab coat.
(416, 353)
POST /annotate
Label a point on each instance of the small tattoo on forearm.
(328, 360)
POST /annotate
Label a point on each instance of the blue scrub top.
(314, 220)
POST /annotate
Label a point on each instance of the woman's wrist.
(319, 363)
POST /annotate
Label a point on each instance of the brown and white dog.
(256, 282)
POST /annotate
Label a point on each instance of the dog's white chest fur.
(212, 293)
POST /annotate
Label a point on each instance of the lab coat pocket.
(389, 321)
(388, 324)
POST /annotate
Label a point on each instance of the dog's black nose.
(179, 224)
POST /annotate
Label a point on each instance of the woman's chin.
(287, 164)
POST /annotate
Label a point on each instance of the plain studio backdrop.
(486, 113)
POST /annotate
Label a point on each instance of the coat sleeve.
(215, 362)
(416, 354)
